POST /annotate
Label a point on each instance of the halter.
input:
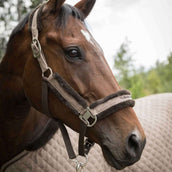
(88, 114)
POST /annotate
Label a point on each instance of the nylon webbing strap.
(109, 103)
(103, 105)
(67, 140)
(81, 144)
(68, 97)
(45, 98)
(36, 47)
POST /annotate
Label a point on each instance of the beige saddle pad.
(155, 114)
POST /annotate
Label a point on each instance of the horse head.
(72, 52)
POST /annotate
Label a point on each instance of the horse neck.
(11, 88)
(19, 122)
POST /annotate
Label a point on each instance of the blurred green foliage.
(142, 82)
(11, 12)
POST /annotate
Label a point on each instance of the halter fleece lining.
(81, 101)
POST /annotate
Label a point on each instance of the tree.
(153, 82)
(158, 79)
(169, 57)
(165, 74)
(123, 64)
(11, 13)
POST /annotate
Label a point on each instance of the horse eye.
(73, 53)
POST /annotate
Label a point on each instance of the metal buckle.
(87, 116)
(80, 165)
(88, 144)
(36, 48)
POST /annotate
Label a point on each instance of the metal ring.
(77, 161)
(83, 164)
(50, 75)
(79, 168)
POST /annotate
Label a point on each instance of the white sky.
(146, 23)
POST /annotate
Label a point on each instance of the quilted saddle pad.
(155, 115)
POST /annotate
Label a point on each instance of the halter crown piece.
(88, 114)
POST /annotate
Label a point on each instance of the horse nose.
(134, 146)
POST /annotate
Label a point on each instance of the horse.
(52, 47)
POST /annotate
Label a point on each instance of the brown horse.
(71, 51)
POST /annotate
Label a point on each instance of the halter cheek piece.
(88, 114)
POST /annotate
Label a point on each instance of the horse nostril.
(133, 146)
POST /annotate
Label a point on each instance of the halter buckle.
(88, 118)
(36, 47)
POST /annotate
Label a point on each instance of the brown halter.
(88, 114)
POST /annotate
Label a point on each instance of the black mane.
(67, 11)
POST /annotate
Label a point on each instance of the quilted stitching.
(155, 114)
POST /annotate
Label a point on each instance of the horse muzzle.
(126, 155)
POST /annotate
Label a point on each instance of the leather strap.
(45, 98)
(67, 140)
(70, 98)
(81, 143)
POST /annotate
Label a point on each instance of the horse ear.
(85, 6)
(55, 5)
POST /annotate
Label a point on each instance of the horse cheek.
(32, 83)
